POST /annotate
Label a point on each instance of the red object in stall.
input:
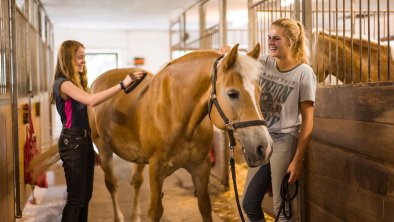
(31, 150)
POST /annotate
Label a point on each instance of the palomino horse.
(164, 122)
(348, 68)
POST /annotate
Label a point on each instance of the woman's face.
(79, 60)
(278, 44)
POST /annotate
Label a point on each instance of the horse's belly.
(131, 153)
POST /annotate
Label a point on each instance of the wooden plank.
(388, 210)
(375, 140)
(6, 165)
(344, 201)
(317, 213)
(360, 172)
(390, 186)
(3, 167)
(361, 103)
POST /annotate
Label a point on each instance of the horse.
(350, 69)
(164, 122)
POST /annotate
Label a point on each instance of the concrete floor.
(179, 202)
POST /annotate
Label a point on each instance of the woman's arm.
(68, 89)
(295, 167)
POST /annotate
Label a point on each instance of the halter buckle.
(231, 151)
(230, 126)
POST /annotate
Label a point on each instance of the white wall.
(152, 45)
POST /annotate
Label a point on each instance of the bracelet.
(122, 86)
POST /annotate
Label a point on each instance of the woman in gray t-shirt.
(287, 103)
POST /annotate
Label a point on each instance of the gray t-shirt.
(282, 93)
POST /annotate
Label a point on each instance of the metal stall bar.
(388, 41)
(14, 97)
(360, 38)
(336, 40)
(343, 41)
(351, 40)
(222, 23)
(316, 50)
(379, 39)
(369, 40)
(329, 43)
(251, 25)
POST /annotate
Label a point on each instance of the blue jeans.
(254, 193)
(259, 178)
(77, 155)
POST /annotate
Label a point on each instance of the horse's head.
(234, 104)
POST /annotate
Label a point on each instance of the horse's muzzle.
(261, 158)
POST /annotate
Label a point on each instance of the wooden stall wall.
(6, 165)
(34, 67)
(7, 199)
(349, 166)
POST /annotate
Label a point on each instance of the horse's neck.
(190, 90)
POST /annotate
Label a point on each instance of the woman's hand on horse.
(128, 80)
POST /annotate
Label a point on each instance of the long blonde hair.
(294, 31)
(65, 66)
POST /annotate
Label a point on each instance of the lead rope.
(233, 175)
(286, 199)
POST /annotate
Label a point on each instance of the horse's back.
(111, 78)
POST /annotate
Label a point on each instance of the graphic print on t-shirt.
(275, 91)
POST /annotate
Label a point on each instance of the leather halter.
(231, 126)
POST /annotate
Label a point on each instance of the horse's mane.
(248, 67)
(245, 65)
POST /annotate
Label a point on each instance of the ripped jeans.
(77, 155)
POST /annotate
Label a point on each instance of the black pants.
(254, 194)
(77, 155)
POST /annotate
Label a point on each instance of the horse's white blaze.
(250, 89)
(249, 69)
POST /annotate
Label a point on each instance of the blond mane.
(248, 67)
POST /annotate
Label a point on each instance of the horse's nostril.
(260, 151)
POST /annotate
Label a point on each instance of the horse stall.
(27, 61)
(7, 136)
(348, 168)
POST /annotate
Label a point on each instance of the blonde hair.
(295, 33)
(65, 66)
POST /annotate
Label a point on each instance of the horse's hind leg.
(137, 180)
(111, 182)
(200, 177)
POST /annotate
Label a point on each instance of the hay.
(224, 204)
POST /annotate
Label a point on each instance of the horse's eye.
(233, 94)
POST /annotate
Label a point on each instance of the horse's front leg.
(157, 174)
(138, 179)
(111, 182)
(200, 176)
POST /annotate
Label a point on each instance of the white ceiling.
(114, 14)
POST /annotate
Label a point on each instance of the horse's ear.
(230, 59)
(255, 53)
